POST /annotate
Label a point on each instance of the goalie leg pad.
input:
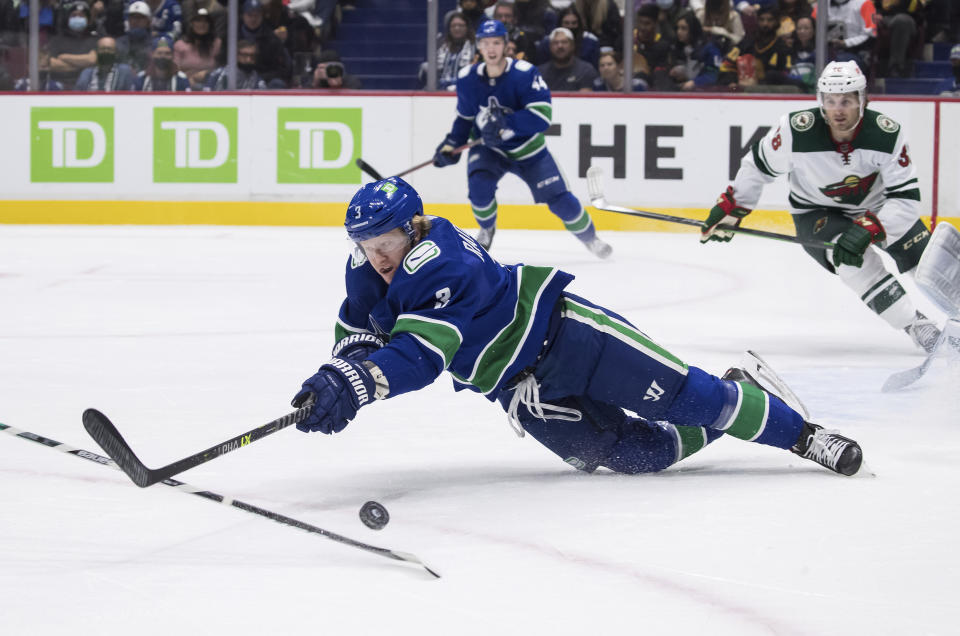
(938, 274)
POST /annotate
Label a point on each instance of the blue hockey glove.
(853, 243)
(492, 123)
(340, 388)
(357, 347)
(444, 155)
(726, 213)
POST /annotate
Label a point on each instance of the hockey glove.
(492, 123)
(853, 243)
(340, 388)
(726, 213)
(357, 347)
(444, 155)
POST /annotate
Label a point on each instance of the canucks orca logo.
(494, 104)
(852, 190)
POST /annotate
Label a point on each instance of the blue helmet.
(381, 206)
(492, 29)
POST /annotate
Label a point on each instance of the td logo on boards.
(194, 145)
(71, 145)
(318, 145)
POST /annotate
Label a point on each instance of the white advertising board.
(655, 151)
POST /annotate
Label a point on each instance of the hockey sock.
(575, 218)
(486, 215)
(736, 408)
(879, 290)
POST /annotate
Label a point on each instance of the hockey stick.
(222, 499)
(366, 167)
(597, 200)
(105, 434)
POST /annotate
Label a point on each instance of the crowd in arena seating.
(678, 45)
(700, 45)
(171, 45)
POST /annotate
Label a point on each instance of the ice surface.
(188, 336)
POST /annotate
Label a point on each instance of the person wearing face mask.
(586, 44)
(107, 75)
(135, 46)
(162, 74)
(247, 77)
(74, 47)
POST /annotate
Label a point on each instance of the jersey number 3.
(443, 297)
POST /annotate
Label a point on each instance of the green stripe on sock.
(692, 439)
(487, 212)
(580, 223)
(882, 301)
(752, 416)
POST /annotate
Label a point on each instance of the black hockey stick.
(597, 200)
(366, 167)
(222, 499)
(103, 432)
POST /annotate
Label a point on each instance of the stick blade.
(595, 184)
(104, 433)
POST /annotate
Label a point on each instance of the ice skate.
(598, 247)
(829, 449)
(485, 236)
(923, 332)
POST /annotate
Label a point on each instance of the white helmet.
(842, 77)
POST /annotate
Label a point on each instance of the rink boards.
(289, 159)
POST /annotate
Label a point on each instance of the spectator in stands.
(273, 62)
(565, 71)
(610, 67)
(942, 20)
(75, 47)
(247, 77)
(471, 10)
(897, 36)
(602, 18)
(790, 13)
(290, 27)
(696, 59)
(162, 74)
(954, 91)
(455, 49)
(851, 31)
(47, 83)
(763, 59)
(136, 45)
(586, 44)
(722, 24)
(107, 74)
(670, 10)
(526, 44)
(651, 55)
(804, 54)
(51, 17)
(216, 11)
(535, 17)
(330, 73)
(166, 19)
(196, 53)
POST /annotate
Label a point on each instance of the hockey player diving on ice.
(507, 103)
(423, 296)
(852, 182)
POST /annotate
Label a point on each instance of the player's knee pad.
(566, 206)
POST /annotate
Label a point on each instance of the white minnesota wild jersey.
(872, 172)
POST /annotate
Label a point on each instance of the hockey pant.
(877, 288)
(641, 409)
(485, 169)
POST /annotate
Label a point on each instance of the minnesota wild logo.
(852, 190)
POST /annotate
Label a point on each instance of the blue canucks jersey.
(451, 306)
(522, 94)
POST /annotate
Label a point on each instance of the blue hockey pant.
(485, 168)
(642, 409)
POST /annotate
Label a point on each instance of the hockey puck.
(374, 515)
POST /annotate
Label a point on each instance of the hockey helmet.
(842, 77)
(382, 206)
(492, 29)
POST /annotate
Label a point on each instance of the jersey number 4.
(539, 84)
